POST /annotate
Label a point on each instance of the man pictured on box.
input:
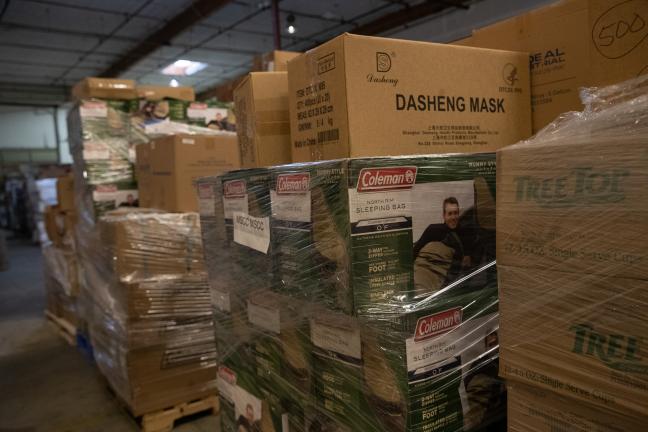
(444, 250)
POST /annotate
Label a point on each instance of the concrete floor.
(45, 384)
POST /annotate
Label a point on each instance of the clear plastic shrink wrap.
(572, 258)
(152, 324)
(356, 295)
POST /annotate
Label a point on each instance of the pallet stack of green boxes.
(347, 300)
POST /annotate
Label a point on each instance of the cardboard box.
(263, 122)
(65, 192)
(365, 96)
(404, 372)
(105, 88)
(178, 160)
(539, 410)
(579, 335)
(369, 236)
(273, 61)
(573, 44)
(143, 245)
(143, 174)
(59, 225)
(576, 204)
(157, 93)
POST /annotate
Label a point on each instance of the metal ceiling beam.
(198, 10)
(404, 16)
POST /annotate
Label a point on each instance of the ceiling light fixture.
(183, 68)
(291, 21)
(174, 83)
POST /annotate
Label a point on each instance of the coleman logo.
(380, 179)
(235, 189)
(616, 351)
(293, 183)
(227, 374)
(434, 325)
(205, 191)
(581, 186)
(198, 105)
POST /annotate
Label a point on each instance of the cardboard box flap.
(105, 88)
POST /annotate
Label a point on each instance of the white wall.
(33, 128)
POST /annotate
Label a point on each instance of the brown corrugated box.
(156, 93)
(273, 61)
(263, 121)
(366, 96)
(65, 192)
(572, 44)
(537, 410)
(151, 244)
(178, 160)
(143, 173)
(583, 336)
(59, 225)
(564, 206)
(105, 88)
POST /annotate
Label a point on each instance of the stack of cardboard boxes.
(146, 299)
(60, 261)
(360, 294)
(571, 258)
(153, 333)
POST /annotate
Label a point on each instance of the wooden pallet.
(64, 328)
(162, 421)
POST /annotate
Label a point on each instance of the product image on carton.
(417, 225)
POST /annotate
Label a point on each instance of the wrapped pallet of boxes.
(261, 102)
(153, 333)
(572, 44)
(99, 128)
(357, 96)
(61, 283)
(571, 256)
(372, 303)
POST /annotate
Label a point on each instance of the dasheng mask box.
(579, 335)
(358, 96)
(544, 411)
(431, 369)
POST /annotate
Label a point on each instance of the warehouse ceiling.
(48, 45)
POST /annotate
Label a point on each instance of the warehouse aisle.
(46, 385)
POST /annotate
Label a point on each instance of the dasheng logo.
(289, 184)
(235, 189)
(383, 62)
(510, 74)
(433, 325)
(381, 179)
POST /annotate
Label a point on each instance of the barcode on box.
(328, 135)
